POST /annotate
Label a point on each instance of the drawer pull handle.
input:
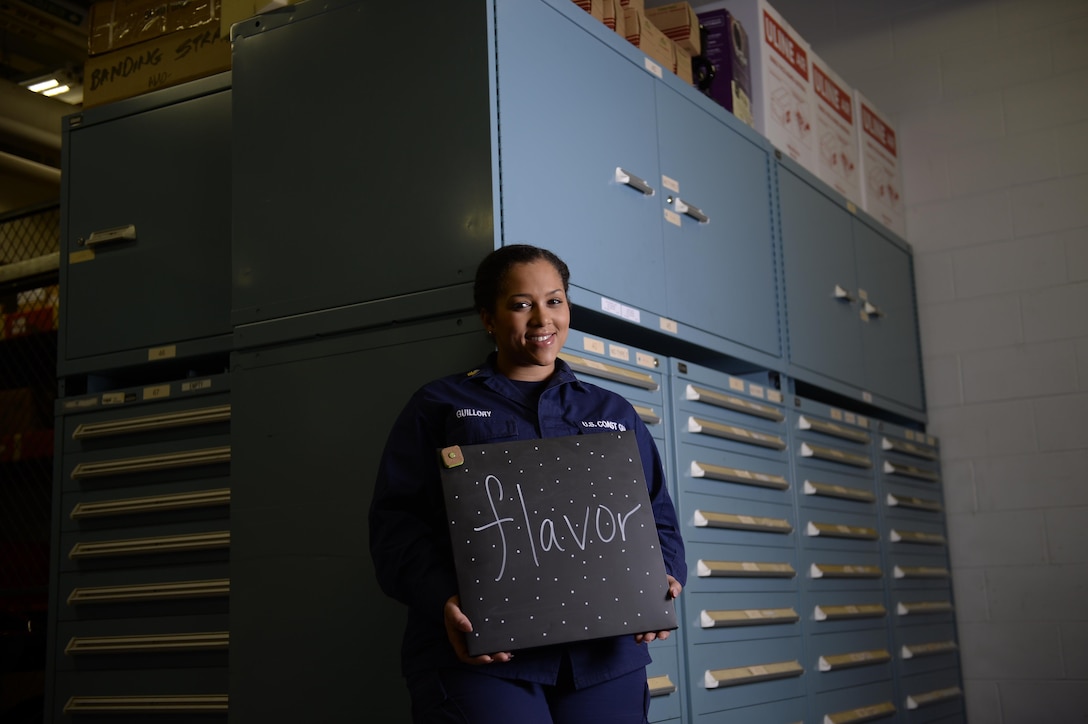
(609, 372)
(923, 608)
(833, 429)
(916, 536)
(743, 569)
(864, 713)
(844, 492)
(820, 452)
(850, 611)
(717, 678)
(747, 617)
(737, 475)
(714, 519)
(157, 544)
(683, 207)
(732, 432)
(165, 704)
(933, 697)
(629, 179)
(871, 310)
(647, 415)
(152, 463)
(934, 648)
(837, 662)
(833, 530)
(148, 643)
(906, 501)
(910, 572)
(908, 448)
(732, 402)
(174, 591)
(660, 685)
(151, 504)
(150, 423)
(910, 471)
(834, 570)
(110, 236)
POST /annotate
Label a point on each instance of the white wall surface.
(991, 101)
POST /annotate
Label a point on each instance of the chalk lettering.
(607, 524)
(129, 65)
(195, 43)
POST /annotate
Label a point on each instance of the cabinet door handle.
(109, 236)
(872, 310)
(623, 177)
(683, 207)
(843, 294)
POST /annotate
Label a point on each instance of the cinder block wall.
(991, 98)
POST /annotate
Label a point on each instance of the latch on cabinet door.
(843, 294)
(871, 310)
(683, 207)
(629, 179)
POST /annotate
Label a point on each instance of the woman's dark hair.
(491, 274)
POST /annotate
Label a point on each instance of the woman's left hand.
(674, 592)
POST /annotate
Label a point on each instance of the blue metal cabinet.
(850, 304)
(146, 227)
(719, 271)
(572, 112)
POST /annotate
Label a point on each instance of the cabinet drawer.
(837, 491)
(741, 615)
(838, 611)
(164, 545)
(154, 504)
(112, 594)
(172, 642)
(932, 697)
(736, 674)
(870, 702)
(708, 470)
(922, 648)
(143, 695)
(837, 530)
(663, 678)
(839, 660)
(149, 465)
(712, 519)
(720, 568)
(922, 607)
(837, 570)
(633, 373)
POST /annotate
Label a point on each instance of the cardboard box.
(645, 36)
(593, 7)
(881, 168)
(613, 17)
(782, 108)
(639, 5)
(683, 65)
(116, 24)
(727, 50)
(836, 131)
(159, 63)
(680, 23)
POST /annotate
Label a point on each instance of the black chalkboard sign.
(554, 541)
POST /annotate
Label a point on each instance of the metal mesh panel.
(29, 242)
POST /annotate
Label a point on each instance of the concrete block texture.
(1067, 543)
(1038, 594)
(1005, 538)
(1053, 205)
(1054, 313)
(943, 381)
(1062, 425)
(1048, 103)
(1010, 266)
(1020, 372)
(1034, 480)
(971, 596)
(966, 325)
(1011, 650)
(981, 430)
(1053, 702)
(1075, 649)
(961, 222)
(982, 701)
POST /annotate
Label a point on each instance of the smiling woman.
(523, 391)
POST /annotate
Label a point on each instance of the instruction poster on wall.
(554, 541)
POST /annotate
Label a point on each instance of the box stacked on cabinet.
(881, 171)
(744, 646)
(727, 50)
(836, 120)
(782, 108)
(646, 36)
(142, 569)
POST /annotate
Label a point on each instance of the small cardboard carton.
(645, 36)
(680, 23)
(836, 131)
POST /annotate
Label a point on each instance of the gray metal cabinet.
(146, 228)
(362, 167)
(141, 577)
(850, 307)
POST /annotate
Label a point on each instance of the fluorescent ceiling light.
(43, 86)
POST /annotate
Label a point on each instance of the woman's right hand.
(457, 625)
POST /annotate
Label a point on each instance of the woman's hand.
(674, 592)
(457, 625)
